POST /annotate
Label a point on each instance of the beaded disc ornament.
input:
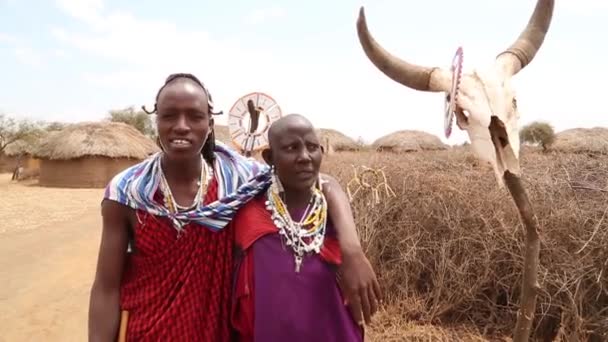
(450, 101)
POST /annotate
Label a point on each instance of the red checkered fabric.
(178, 288)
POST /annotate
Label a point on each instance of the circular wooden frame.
(240, 135)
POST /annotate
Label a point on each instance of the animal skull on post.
(486, 109)
(485, 106)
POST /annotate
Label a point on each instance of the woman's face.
(296, 155)
(183, 119)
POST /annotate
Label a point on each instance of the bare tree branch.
(12, 130)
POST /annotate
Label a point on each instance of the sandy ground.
(48, 248)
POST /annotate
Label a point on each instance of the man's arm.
(358, 279)
(341, 214)
(104, 305)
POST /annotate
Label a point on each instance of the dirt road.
(48, 248)
(46, 272)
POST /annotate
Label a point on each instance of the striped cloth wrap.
(239, 180)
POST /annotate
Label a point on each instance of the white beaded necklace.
(171, 203)
(301, 240)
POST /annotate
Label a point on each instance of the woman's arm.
(358, 279)
(104, 306)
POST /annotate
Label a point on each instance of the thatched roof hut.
(19, 153)
(582, 140)
(335, 141)
(88, 155)
(409, 141)
(222, 133)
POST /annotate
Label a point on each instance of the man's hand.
(359, 285)
(355, 276)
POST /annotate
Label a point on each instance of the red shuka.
(178, 288)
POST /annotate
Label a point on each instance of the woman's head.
(184, 121)
(294, 152)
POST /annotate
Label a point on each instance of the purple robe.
(305, 306)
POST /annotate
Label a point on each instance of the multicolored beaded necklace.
(308, 234)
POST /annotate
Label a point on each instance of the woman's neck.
(295, 199)
(181, 171)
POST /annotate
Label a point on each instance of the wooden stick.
(529, 284)
(122, 333)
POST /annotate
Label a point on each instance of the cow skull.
(485, 106)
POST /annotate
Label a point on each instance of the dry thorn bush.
(448, 248)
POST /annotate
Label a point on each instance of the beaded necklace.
(305, 236)
(203, 182)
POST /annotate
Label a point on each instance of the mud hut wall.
(86, 172)
(32, 164)
(8, 163)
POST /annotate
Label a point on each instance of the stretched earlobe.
(159, 143)
(267, 156)
(277, 186)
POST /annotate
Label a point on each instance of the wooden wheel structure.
(249, 120)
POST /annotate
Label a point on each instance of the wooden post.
(327, 146)
(254, 119)
(529, 284)
(124, 320)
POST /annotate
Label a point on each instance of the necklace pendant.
(298, 263)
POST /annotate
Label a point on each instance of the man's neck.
(181, 171)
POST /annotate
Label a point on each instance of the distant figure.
(17, 173)
(17, 170)
(286, 285)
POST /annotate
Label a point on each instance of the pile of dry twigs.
(448, 247)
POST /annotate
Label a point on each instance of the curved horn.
(522, 52)
(410, 75)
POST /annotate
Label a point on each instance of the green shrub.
(540, 133)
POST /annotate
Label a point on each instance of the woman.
(174, 210)
(286, 287)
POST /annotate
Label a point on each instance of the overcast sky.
(73, 60)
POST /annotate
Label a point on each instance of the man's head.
(294, 151)
(184, 118)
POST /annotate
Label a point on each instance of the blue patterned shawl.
(239, 180)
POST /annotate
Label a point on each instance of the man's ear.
(267, 156)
